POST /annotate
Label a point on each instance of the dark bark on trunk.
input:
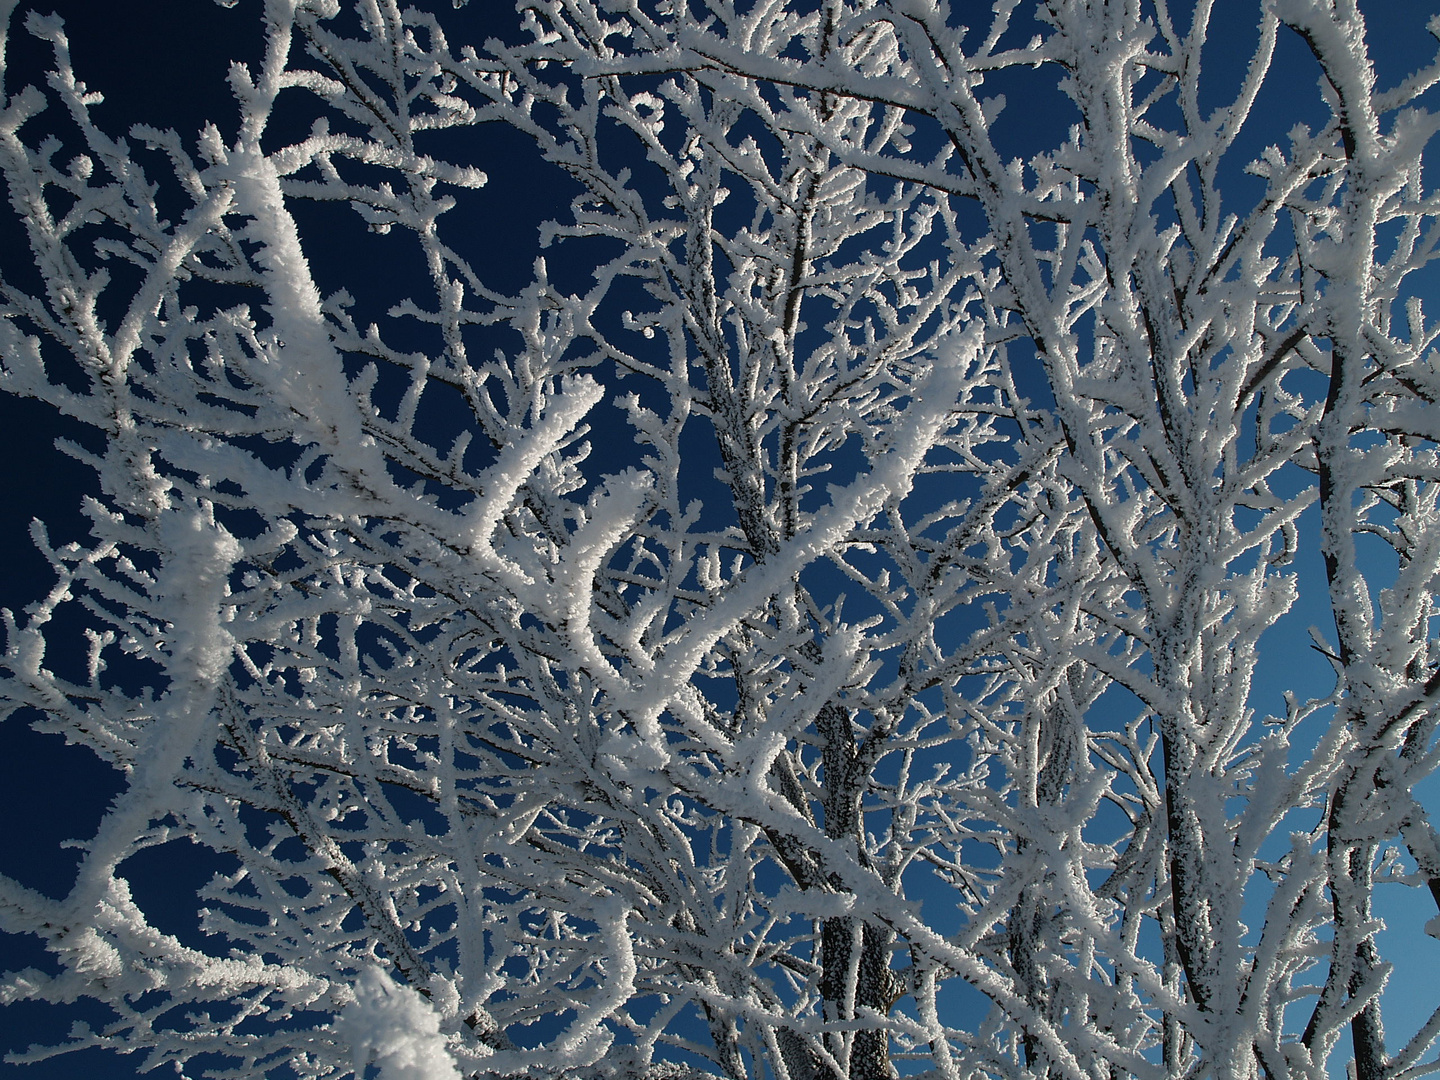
(1355, 957)
(1350, 893)
(847, 944)
(1024, 927)
(801, 1062)
(1189, 897)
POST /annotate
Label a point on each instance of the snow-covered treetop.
(836, 579)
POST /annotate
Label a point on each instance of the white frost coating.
(610, 516)
(630, 758)
(889, 477)
(520, 458)
(193, 584)
(299, 366)
(306, 369)
(584, 1041)
(92, 956)
(815, 904)
(190, 587)
(395, 1028)
(964, 489)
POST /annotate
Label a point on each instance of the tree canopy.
(798, 622)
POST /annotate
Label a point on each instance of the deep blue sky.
(164, 62)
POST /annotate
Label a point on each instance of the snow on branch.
(820, 621)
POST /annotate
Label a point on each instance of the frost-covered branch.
(855, 588)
